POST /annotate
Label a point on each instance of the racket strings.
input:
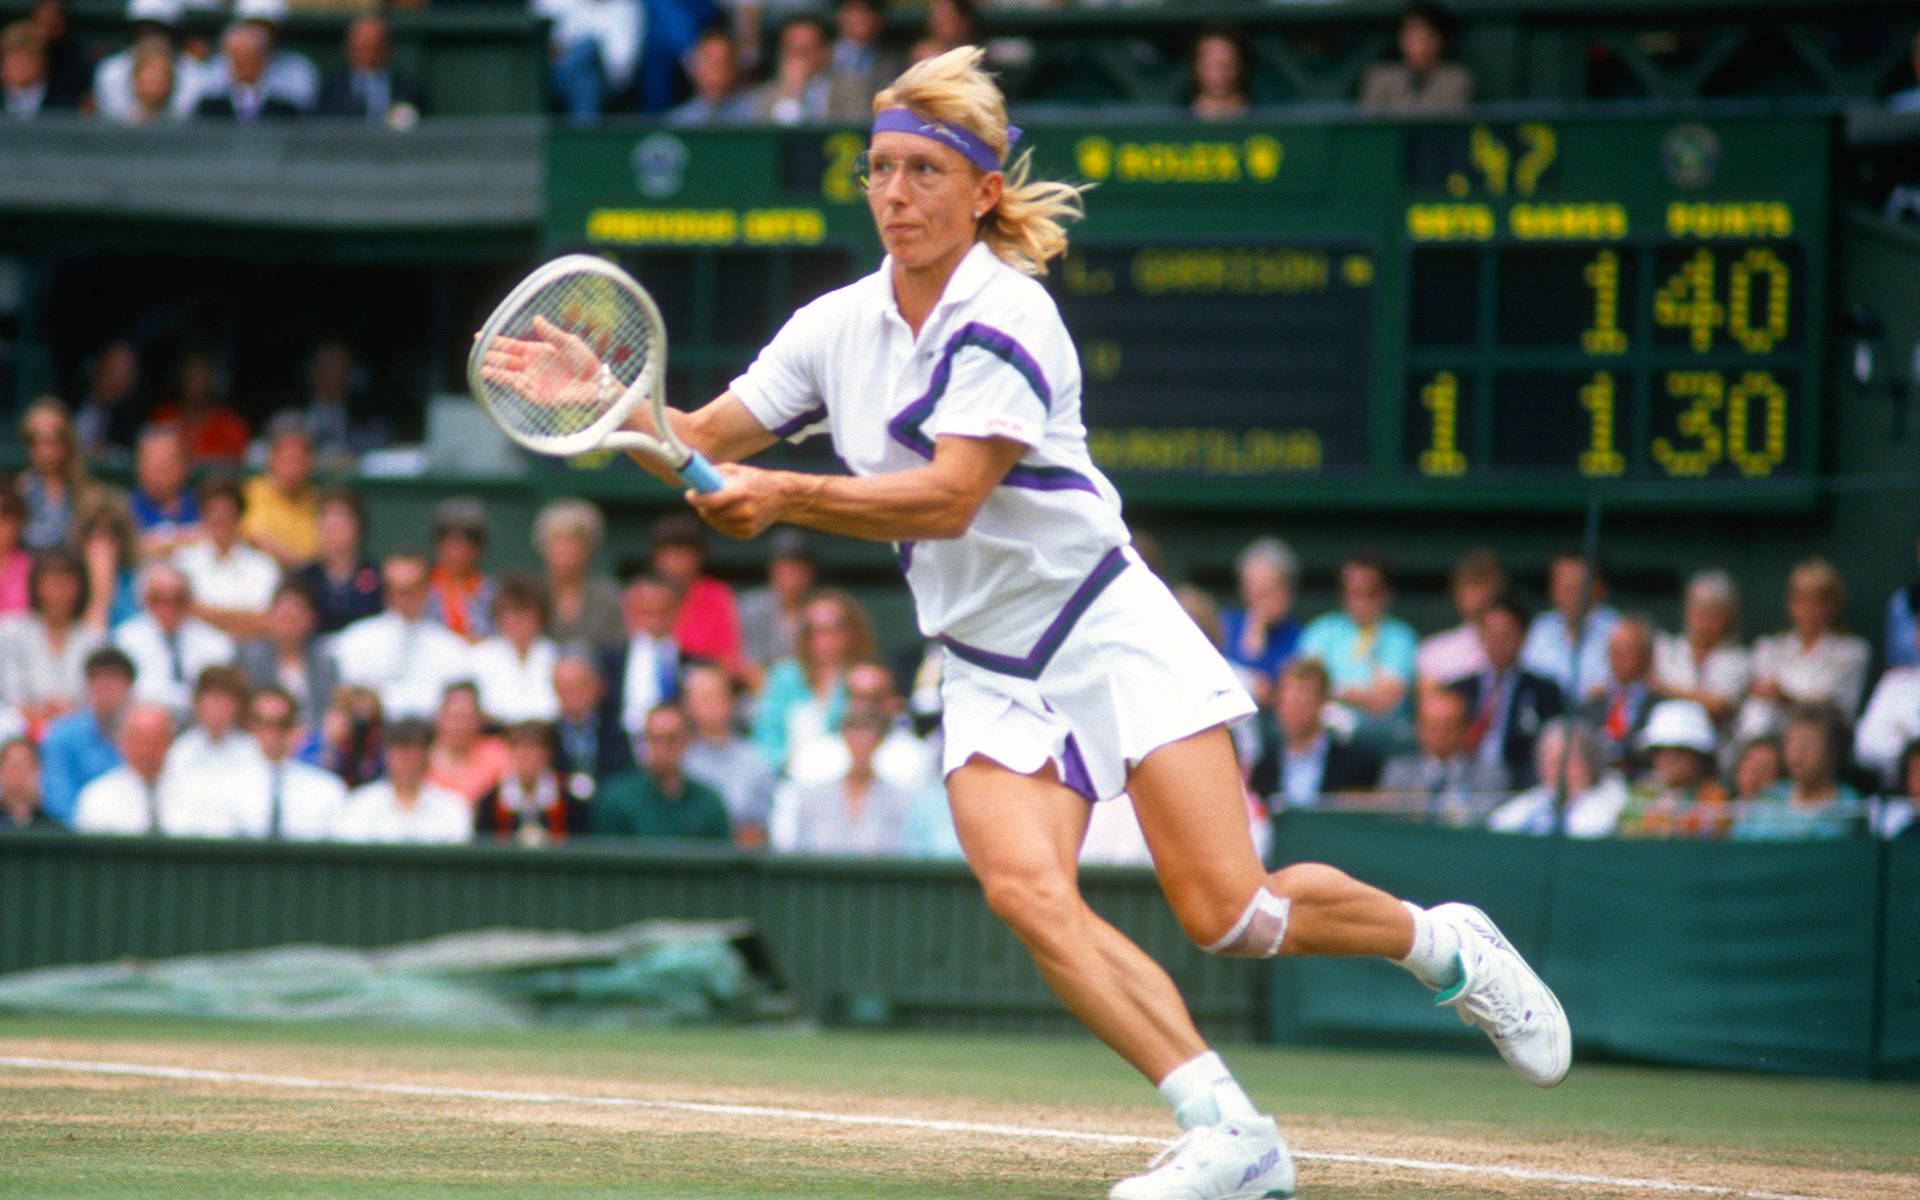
(591, 343)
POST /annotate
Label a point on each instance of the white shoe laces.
(1168, 1152)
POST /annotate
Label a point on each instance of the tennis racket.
(567, 355)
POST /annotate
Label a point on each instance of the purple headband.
(967, 142)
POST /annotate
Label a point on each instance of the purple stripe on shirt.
(1029, 665)
(906, 427)
(811, 417)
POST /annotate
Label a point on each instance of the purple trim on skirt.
(1029, 665)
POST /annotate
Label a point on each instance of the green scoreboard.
(1350, 312)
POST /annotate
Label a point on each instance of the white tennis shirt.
(992, 360)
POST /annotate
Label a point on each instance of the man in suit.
(645, 672)
(1444, 778)
(1303, 760)
(797, 93)
(860, 66)
(26, 83)
(246, 97)
(589, 744)
(367, 86)
(1619, 714)
(1509, 703)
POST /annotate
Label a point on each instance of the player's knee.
(1033, 904)
(1255, 931)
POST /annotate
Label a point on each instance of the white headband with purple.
(967, 142)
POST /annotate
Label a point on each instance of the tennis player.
(951, 390)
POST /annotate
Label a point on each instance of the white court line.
(145, 1071)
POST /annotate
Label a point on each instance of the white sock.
(1435, 957)
(1203, 1092)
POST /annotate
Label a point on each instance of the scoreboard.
(1409, 314)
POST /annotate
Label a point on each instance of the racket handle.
(700, 475)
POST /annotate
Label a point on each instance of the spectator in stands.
(713, 67)
(16, 561)
(595, 49)
(352, 736)
(533, 804)
(1578, 604)
(43, 651)
(56, 483)
(82, 745)
(513, 669)
(107, 419)
(1423, 80)
(583, 604)
(1443, 778)
(402, 653)
(21, 809)
(1619, 714)
(1680, 796)
(26, 81)
(344, 583)
(859, 65)
(212, 429)
(165, 510)
(1368, 653)
(126, 799)
(1454, 653)
(1302, 761)
(1902, 647)
(659, 799)
(1908, 99)
(341, 432)
(1757, 766)
(106, 540)
(1510, 703)
(404, 805)
(69, 66)
(1891, 720)
(288, 654)
(366, 85)
(155, 84)
(282, 505)
(116, 90)
(589, 743)
(645, 672)
(465, 758)
(1811, 663)
(1595, 793)
(232, 582)
(303, 802)
(950, 23)
(286, 75)
(903, 758)
(805, 695)
(1259, 635)
(770, 615)
(462, 595)
(1896, 813)
(720, 753)
(802, 75)
(1222, 75)
(237, 89)
(169, 646)
(1812, 801)
(857, 812)
(708, 622)
(1705, 662)
(214, 768)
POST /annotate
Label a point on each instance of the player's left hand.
(752, 500)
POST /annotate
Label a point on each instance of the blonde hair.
(1025, 228)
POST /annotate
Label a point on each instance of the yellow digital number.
(1601, 459)
(1697, 421)
(1687, 301)
(1100, 358)
(1758, 279)
(1491, 157)
(1757, 390)
(839, 182)
(1442, 456)
(1603, 276)
(1542, 146)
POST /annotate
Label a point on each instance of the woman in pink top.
(464, 757)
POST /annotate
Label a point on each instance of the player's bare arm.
(721, 429)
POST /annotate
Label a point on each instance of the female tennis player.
(951, 390)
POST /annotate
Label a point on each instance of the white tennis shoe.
(1240, 1158)
(1500, 993)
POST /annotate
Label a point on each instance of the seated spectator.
(589, 743)
(1757, 766)
(707, 624)
(1679, 797)
(1811, 663)
(1704, 662)
(533, 804)
(16, 561)
(859, 65)
(115, 80)
(290, 656)
(402, 653)
(238, 89)
(583, 604)
(286, 75)
(1222, 71)
(770, 615)
(1443, 779)
(1908, 99)
(351, 741)
(659, 799)
(26, 74)
(303, 802)
(645, 672)
(344, 583)
(1595, 793)
(1578, 604)
(464, 758)
(1510, 703)
(595, 50)
(804, 696)
(404, 805)
(1259, 635)
(1898, 814)
(333, 411)
(950, 25)
(1302, 760)
(855, 813)
(166, 513)
(69, 65)
(1812, 801)
(713, 67)
(105, 536)
(56, 483)
(513, 669)
(462, 593)
(802, 75)
(903, 759)
(366, 85)
(107, 419)
(283, 505)
(127, 798)
(212, 430)
(1423, 80)
(722, 755)
(21, 809)
(213, 768)
(232, 582)
(83, 745)
(1454, 653)
(1619, 714)
(155, 85)
(1902, 645)
(43, 651)
(1368, 653)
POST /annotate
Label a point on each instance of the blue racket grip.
(700, 475)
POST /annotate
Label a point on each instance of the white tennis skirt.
(1132, 674)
